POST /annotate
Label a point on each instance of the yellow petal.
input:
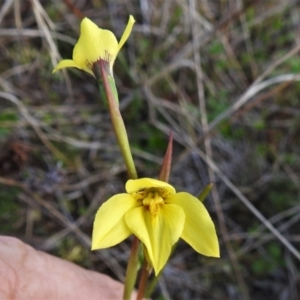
(126, 32)
(66, 63)
(94, 43)
(199, 229)
(159, 233)
(109, 226)
(134, 185)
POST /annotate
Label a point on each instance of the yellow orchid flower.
(94, 44)
(158, 216)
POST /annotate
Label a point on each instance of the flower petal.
(94, 43)
(134, 185)
(109, 225)
(126, 32)
(159, 233)
(199, 230)
(66, 63)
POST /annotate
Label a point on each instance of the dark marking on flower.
(89, 64)
(106, 62)
(96, 68)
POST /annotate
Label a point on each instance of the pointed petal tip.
(87, 22)
(208, 249)
(56, 69)
(66, 63)
(93, 248)
(127, 31)
(88, 25)
(96, 246)
(214, 252)
(131, 19)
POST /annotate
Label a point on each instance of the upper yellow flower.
(158, 216)
(94, 44)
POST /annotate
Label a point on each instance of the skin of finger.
(29, 274)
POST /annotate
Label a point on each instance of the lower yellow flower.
(158, 216)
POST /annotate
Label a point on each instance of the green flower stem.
(205, 192)
(131, 271)
(122, 137)
(117, 122)
(151, 286)
(143, 281)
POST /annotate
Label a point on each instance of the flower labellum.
(95, 44)
(153, 211)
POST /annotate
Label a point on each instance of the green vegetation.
(256, 146)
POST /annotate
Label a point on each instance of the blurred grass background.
(222, 75)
